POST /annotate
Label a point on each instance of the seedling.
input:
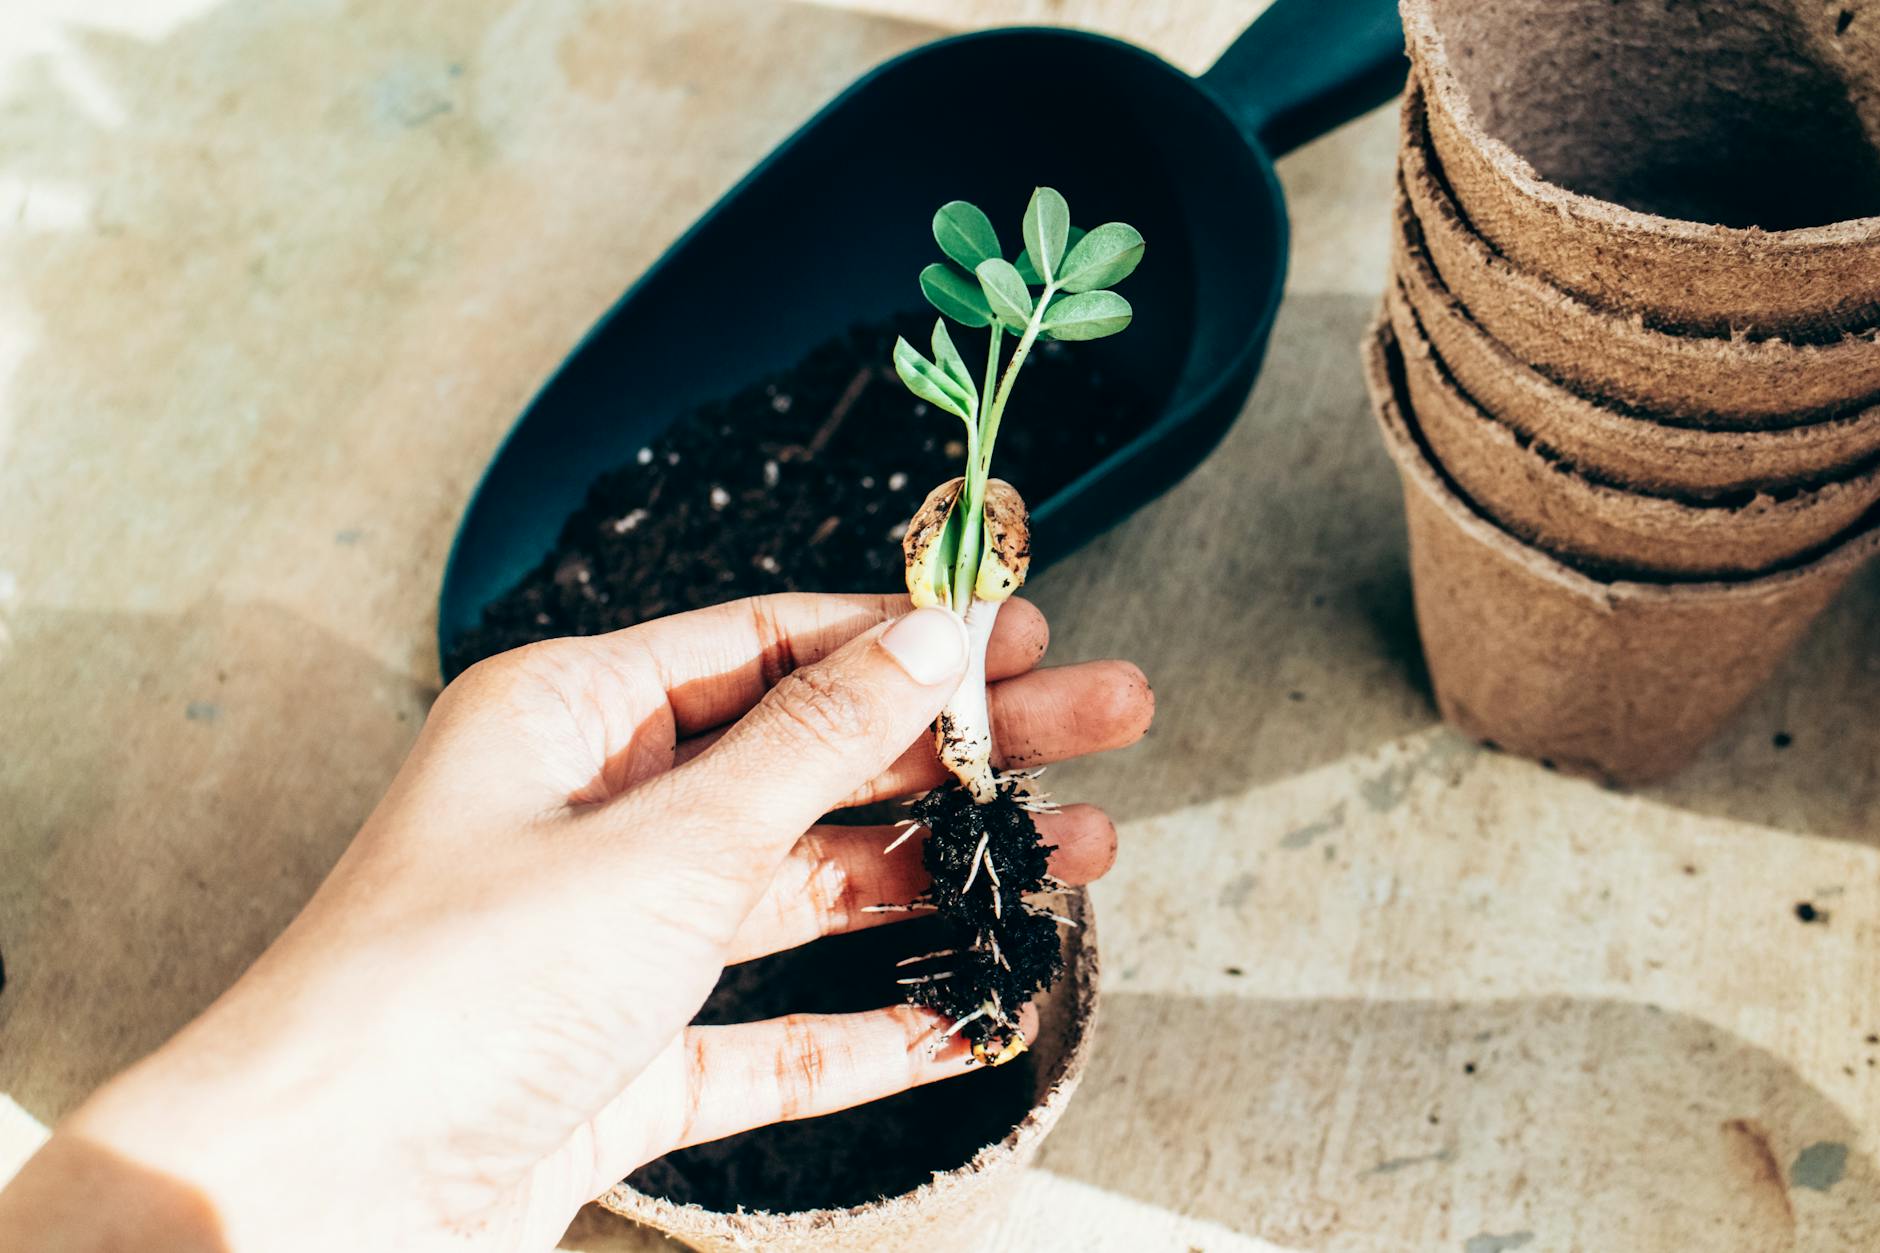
(968, 549)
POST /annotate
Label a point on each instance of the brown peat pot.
(958, 1207)
(1723, 381)
(1552, 504)
(1710, 164)
(1620, 681)
(1613, 445)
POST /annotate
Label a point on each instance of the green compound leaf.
(964, 233)
(1090, 315)
(1103, 258)
(1005, 291)
(1047, 224)
(1029, 272)
(927, 380)
(948, 358)
(955, 295)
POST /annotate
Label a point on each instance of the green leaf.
(1006, 292)
(948, 358)
(955, 295)
(1047, 224)
(949, 555)
(1029, 272)
(1090, 315)
(927, 380)
(964, 233)
(1104, 257)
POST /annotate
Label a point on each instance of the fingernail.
(930, 644)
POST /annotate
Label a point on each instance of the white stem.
(964, 731)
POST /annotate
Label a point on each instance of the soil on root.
(800, 482)
(985, 860)
(891, 1147)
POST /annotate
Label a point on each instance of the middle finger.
(834, 874)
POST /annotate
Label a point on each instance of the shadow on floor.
(1585, 1124)
(174, 811)
(1267, 597)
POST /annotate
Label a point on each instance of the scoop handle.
(1306, 66)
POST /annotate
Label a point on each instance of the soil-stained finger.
(835, 877)
(1037, 718)
(807, 1065)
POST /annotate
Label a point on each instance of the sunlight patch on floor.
(1052, 1211)
(20, 1137)
(32, 29)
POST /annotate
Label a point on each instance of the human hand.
(479, 1022)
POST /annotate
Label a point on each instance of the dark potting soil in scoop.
(859, 1155)
(801, 482)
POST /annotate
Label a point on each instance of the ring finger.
(835, 875)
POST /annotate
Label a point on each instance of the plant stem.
(965, 725)
(973, 491)
(989, 422)
(969, 512)
(980, 443)
(992, 364)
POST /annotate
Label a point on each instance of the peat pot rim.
(1440, 81)
(1680, 506)
(1392, 412)
(1596, 418)
(1420, 167)
(758, 1228)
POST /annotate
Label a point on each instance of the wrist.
(248, 1125)
(76, 1196)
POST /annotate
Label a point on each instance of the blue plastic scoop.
(1123, 134)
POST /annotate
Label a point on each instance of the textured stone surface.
(275, 277)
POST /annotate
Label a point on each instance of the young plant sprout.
(968, 549)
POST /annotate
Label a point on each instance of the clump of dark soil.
(862, 1154)
(985, 860)
(800, 482)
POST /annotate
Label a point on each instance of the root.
(959, 1023)
(912, 825)
(985, 861)
(963, 732)
(979, 855)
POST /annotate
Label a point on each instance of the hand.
(479, 1022)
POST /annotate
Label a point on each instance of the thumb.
(825, 730)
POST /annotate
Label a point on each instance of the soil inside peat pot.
(799, 482)
(860, 1155)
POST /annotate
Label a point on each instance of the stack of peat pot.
(1629, 360)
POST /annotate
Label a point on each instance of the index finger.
(715, 664)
